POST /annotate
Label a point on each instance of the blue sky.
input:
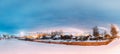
(18, 15)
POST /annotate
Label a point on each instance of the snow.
(25, 47)
(50, 40)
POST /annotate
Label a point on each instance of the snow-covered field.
(50, 40)
(26, 47)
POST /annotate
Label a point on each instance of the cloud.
(30, 14)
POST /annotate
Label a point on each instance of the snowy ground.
(50, 40)
(26, 47)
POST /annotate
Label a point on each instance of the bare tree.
(114, 31)
(96, 31)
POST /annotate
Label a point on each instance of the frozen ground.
(26, 47)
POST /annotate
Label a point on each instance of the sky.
(28, 15)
